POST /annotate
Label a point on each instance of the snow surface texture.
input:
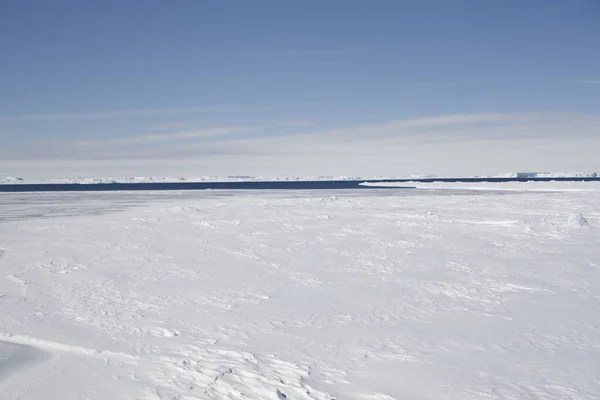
(384, 295)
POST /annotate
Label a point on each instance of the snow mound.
(226, 374)
(577, 220)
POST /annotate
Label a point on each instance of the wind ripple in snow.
(221, 374)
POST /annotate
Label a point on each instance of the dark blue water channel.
(260, 185)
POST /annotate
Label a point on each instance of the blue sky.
(157, 81)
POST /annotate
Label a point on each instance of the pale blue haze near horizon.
(192, 80)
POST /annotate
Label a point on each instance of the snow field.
(552, 186)
(377, 295)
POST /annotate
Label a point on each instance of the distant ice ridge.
(12, 179)
(228, 178)
(525, 175)
(238, 178)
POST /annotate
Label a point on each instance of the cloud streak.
(309, 52)
(590, 82)
(167, 137)
(157, 112)
(296, 123)
(107, 115)
(372, 139)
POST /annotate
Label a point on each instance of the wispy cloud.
(447, 144)
(176, 125)
(394, 136)
(438, 84)
(590, 82)
(108, 115)
(296, 123)
(455, 119)
(247, 108)
(469, 127)
(167, 137)
(309, 52)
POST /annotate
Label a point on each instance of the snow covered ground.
(539, 186)
(408, 294)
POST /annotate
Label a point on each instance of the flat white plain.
(364, 294)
